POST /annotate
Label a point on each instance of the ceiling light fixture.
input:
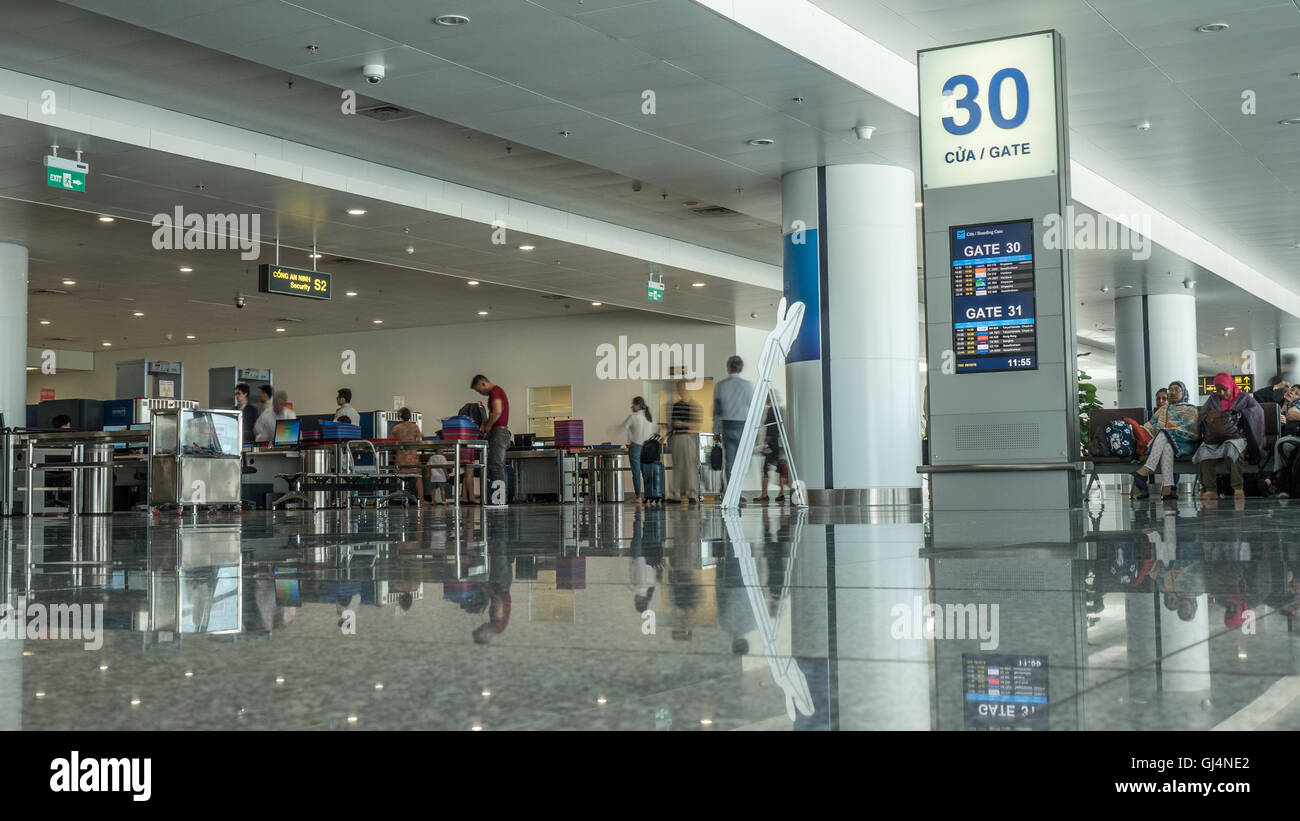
(1125, 287)
(1212, 28)
(107, 344)
(137, 313)
(597, 304)
(356, 212)
(475, 281)
(45, 322)
(69, 282)
(351, 293)
(482, 313)
(279, 330)
(315, 256)
(919, 204)
(451, 20)
(762, 141)
(185, 269)
(527, 247)
(697, 284)
(1230, 328)
(105, 218)
(189, 336)
(377, 321)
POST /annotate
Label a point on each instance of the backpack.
(1287, 476)
(1119, 436)
(474, 410)
(1141, 435)
(651, 449)
(1098, 446)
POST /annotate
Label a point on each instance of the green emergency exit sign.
(654, 291)
(67, 180)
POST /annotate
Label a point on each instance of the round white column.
(13, 333)
(1155, 343)
(864, 392)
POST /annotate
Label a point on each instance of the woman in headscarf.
(1227, 396)
(1173, 432)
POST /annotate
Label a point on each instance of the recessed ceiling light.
(477, 727)
(597, 304)
(189, 336)
(451, 20)
(185, 269)
(379, 685)
(1125, 287)
(69, 282)
(762, 141)
(137, 313)
(486, 693)
(135, 702)
(315, 256)
(482, 313)
(601, 700)
(527, 247)
(697, 284)
(45, 322)
(351, 293)
(107, 344)
(40, 694)
(1212, 28)
(1289, 121)
(356, 212)
(279, 330)
(352, 719)
(475, 281)
(377, 321)
(706, 721)
(1230, 328)
(105, 218)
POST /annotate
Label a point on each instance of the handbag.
(651, 449)
(1219, 426)
(1141, 437)
(715, 458)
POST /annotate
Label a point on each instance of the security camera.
(240, 301)
(864, 132)
(373, 73)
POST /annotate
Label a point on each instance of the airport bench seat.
(1113, 465)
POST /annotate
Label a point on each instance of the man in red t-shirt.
(494, 429)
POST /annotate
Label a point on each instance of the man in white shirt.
(731, 398)
(278, 409)
(346, 413)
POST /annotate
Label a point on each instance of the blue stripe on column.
(823, 265)
(799, 268)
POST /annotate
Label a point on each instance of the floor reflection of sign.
(1005, 692)
(166, 388)
(1245, 382)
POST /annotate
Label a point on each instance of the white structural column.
(13, 333)
(854, 371)
(1155, 343)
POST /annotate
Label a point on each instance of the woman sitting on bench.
(1173, 431)
(1217, 429)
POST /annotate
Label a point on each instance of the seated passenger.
(1173, 432)
(1227, 396)
(1289, 408)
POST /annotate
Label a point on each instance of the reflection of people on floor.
(735, 613)
(266, 614)
(497, 588)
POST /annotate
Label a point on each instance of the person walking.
(731, 398)
(637, 428)
(685, 445)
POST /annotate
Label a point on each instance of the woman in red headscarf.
(1231, 425)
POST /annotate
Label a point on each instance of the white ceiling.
(525, 70)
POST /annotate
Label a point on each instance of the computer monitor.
(286, 433)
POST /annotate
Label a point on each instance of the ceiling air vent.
(386, 113)
(713, 211)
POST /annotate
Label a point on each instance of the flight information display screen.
(993, 327)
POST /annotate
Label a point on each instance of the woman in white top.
(638, 427)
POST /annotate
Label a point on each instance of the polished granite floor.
(1122, 616)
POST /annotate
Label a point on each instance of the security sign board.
(281, 279)
(988, 111)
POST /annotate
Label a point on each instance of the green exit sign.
(67, 180)
(654, 291)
